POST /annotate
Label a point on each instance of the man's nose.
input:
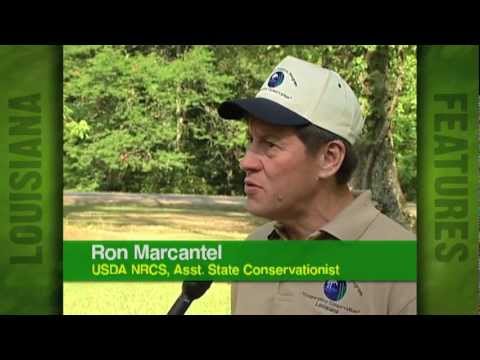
(250, 162)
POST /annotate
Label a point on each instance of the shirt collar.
(349, 224)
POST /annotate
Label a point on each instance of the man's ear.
(330, 158)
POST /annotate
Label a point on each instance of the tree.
(377, 168)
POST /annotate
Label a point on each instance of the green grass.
(102, 221)
(140, 298)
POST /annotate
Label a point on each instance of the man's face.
(281, 178)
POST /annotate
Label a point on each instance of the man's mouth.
(251, 187)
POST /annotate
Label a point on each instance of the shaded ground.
(90, 198)
(117, 216)
(107, 216)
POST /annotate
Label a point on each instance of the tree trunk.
(180, 120)
(377, 169)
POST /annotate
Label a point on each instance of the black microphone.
(191, 290)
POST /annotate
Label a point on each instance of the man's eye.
(270, 144)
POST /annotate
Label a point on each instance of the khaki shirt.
(360, 220)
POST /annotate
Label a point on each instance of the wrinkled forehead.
(259, 127)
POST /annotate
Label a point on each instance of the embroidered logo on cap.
(276, 79)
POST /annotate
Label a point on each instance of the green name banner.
(447, 181)
(239, 260)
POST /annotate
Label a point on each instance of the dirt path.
(91, 198)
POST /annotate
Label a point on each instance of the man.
(302, 126)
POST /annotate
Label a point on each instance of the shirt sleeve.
(403, 299)
(410, 308)
(233, 297)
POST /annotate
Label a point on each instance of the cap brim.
(262, 109)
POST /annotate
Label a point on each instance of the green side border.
(31, 179)
(447, 179)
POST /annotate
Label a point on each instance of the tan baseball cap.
(298, 93)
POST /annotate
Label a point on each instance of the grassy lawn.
(144, 298)
(140, 221)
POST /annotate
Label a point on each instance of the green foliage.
(122, 120)
(143, 118)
